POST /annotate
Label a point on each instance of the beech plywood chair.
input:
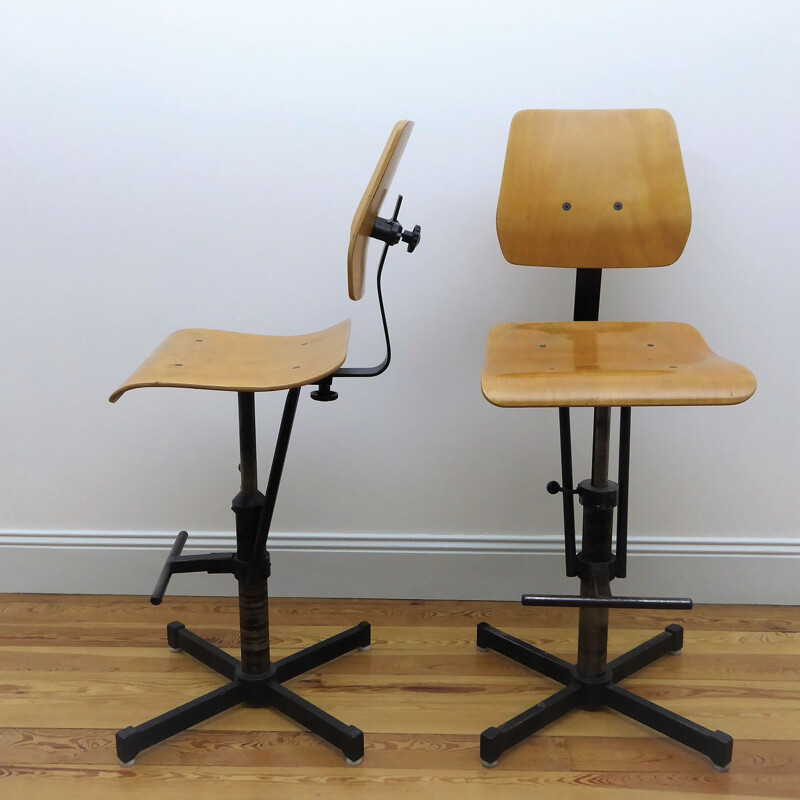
(247, 364)
(594, 190)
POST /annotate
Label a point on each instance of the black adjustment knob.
(411, 238)
(553, 487)
(323, 393)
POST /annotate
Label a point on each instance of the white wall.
(197, 163)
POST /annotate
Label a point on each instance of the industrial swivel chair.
(246, 364)
(595, 190)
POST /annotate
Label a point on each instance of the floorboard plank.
(75, 669)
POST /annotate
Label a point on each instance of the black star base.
(259, 690)
(594, 693)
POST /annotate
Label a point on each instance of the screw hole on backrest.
(617, 206)
(566, 206)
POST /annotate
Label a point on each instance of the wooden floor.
(73, 670)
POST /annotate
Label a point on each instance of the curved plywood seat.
(197, 358)
(608, 364)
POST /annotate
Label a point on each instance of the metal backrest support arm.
(390, 232)
(587, 295)
(371, 372)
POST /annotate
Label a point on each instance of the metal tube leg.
(322, 652)
(131, 741)
(495, 741)
(718, 746)
(523, 653)
(670, 641)
(349, 739)
(181, 638)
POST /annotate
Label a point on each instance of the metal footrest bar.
(576, 601)
(166, 570)
(213, 563)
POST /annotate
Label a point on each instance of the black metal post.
(248, 465)
(587, 295)
(596, 550)
(248, 506)
(601, 444)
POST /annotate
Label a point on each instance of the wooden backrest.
(370, 206)
(593, 189)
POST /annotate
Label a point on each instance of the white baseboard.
(425, 566)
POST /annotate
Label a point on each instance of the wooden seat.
(197, 358)
(608, 364)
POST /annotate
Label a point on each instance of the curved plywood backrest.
(370, 205)
(593, 189)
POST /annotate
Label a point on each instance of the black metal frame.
(592, 683)
(255, 679)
